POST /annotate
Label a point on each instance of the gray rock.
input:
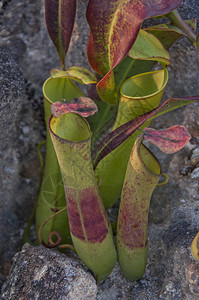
(24, 33)
(195, 174)
(40, 273)
(195, 157)
(17, 156)
(11, 95)
(189, 9)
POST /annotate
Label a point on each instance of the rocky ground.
(26, 56)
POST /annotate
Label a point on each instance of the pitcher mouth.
(149, 170)
(125, 95)
(52, 92)
(66, 140)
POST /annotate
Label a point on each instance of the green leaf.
(102, 121)
(79, 74)
(60, 18)
(148, 47)
(168, 33)
(142, 176)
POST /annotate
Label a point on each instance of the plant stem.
(63, 66)
(176, 20)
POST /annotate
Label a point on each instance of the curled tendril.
(67, 246)
(58, 239)
(50, 243)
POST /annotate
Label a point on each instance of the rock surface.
(52, 276)
(23, 33)
(189, 9)
(11, 95)
(173, 221)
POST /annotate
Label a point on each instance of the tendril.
(67, 246)
(58, 239)
(51, 243)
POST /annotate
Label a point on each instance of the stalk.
(176, 20)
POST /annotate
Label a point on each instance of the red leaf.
(60, 17)
(169, 140)
(82, 106)
(114, 26)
